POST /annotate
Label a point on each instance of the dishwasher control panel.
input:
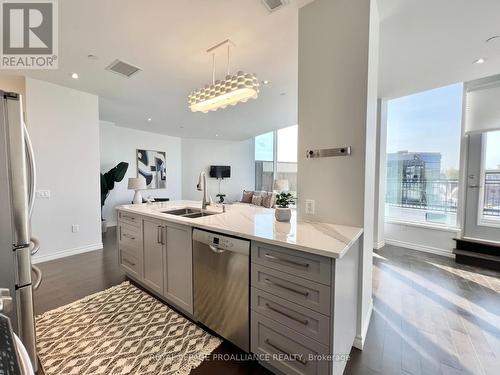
(222, 241)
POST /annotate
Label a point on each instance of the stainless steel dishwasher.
(221, 285)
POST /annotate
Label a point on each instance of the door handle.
(283, 260)
(38, 272)
(301, 321)
(159, 235)
(294, 356)
(305, 294)
(474, 186)
(35, 245)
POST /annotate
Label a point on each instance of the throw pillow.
(257, 200)
(269, 200)
(247, 196)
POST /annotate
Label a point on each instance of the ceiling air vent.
(272, 5)
(122, 68)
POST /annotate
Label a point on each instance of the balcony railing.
(441, 195)
(491, 205)
(436, 195)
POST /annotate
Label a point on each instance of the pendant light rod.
(228, 47)
(228, 43)
(213, 68)
(220, 44)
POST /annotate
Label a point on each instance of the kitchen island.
(303, 279)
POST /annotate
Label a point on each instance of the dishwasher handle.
(216, 249)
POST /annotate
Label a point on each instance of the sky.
(429, 121)
(492, 154)
(287, 145)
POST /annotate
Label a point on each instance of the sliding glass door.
(482, 213)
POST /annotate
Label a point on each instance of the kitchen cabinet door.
(178, 285)
(154, 243)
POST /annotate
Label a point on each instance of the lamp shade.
(281, 185)
(137, 183)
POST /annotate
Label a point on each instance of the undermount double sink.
(187, 212)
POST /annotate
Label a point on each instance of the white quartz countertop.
(258, 223)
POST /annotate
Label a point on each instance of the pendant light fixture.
(232, 90)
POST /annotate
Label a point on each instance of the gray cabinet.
(158, 254)
(178, 280)
(154, 254)
(303, 307)
(130, 256)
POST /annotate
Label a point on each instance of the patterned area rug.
(121, 330)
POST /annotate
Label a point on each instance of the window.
(423, 152)
(490, 188)
(287, 157)
(264, 161)
(276, 158)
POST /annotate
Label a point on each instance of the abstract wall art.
(152, 166)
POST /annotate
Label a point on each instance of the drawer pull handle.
(124, 260)
(269, 256)
(294, 356)
(301, 321)
(305, 294)
(128, 236)
(128, 217)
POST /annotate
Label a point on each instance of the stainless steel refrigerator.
(17, 192)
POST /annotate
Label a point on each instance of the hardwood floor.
(431, 316)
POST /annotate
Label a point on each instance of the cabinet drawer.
(290, 352)
(127, 217)
(307, 322)
(294, 289)
(129, 236)
(129, 262)
(298, 263)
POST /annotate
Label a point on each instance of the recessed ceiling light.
(74, 75)
(93, 57)
(479, 61)
(265, 82)
(283, 94)
(150, 119)
(217, 135)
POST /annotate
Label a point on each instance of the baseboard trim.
(359, 340)
(378, 245)
(423, 248)
(66, 253)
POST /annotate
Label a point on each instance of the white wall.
(338, 68)
(120, 144)
(432, 240)
(380, 176)
(64, 126)
(199, 154)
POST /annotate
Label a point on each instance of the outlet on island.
(75, 228)
(310, 206)
(43, 194)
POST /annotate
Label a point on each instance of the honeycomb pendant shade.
(232, 90)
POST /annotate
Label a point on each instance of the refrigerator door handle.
(34, 245)
(38, 272)
(30, 161)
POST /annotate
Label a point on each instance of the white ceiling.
(431, 43)
(424, 44)
(167, 39)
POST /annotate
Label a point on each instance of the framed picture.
(151, 165)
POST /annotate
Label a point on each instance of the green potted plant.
(282, 212)
(108, 180)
